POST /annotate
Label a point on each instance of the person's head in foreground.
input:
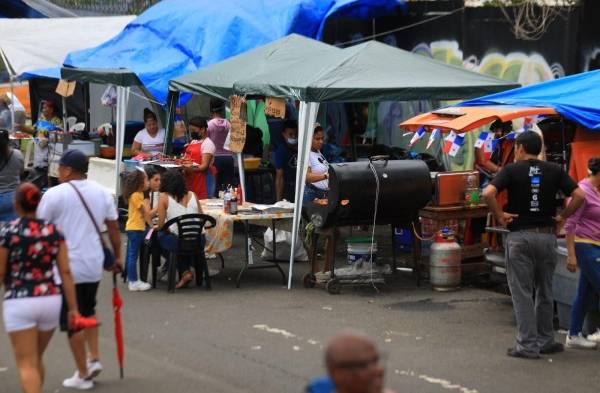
(528, 146)
(73, 165)
(353, 363)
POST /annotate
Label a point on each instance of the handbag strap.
(89, 212)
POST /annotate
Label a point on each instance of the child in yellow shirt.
(138, 214)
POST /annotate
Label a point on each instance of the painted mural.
(515, 66)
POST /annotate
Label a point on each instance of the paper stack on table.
(279, 207)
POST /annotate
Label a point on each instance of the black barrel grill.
(404, 188)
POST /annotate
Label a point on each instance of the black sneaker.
(513, 352)
(554, 348)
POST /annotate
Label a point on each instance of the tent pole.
(64, 113)
(122, 101)
(242, 174)
(11, 77)
(12, 105)
(306, 120)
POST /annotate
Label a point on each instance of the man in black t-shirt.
(530, 215)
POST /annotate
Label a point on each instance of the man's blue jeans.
(134, 244)
(588, 261)
(7, 210)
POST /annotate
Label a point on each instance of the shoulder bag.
(109, 257)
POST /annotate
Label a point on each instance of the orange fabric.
(581, 152)
(462, 119)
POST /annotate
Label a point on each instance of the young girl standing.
(138, 214)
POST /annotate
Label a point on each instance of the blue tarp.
(576, 97)
(176, 37)
(41, 73)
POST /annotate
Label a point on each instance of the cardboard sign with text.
(237, 135)
(275, 107)
(65, 88)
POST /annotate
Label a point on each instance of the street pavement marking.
(436, 381)
(268, 329)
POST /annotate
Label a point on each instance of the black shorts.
(86, 302)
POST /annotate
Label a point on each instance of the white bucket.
(361, 252)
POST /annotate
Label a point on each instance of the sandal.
(186, 278)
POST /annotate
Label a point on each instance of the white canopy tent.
(33, 44)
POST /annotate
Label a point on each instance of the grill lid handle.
(379, 158)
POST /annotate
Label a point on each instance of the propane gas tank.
(444, 262)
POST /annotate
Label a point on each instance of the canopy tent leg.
(172, 100)
(122, 101)
(64, 114)
(306, 119)
(242, 174)
(12, 105)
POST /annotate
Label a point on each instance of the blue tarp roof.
(576, 97)
(176, 37)
(41, 73)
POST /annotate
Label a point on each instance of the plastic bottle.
(240, 196)
(226, 202)
(471, 191)
(233, 204)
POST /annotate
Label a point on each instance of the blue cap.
(75, 159)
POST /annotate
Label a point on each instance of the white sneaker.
(594, 337)
(138, 286)
(94, 369)
(580, 342)
(78, 383)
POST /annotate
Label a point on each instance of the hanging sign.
(65, 88)
(237, 134)
(275, 107)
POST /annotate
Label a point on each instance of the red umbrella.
(117, 302)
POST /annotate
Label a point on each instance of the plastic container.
(403, 239)
(359, 250)
(251, 163)
(130, 165)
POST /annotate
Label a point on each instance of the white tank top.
(175, 209)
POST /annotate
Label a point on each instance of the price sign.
(275, 107)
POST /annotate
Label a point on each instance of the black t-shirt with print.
(532, 186)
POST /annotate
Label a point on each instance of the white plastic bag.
(109, 97)
(283, 241)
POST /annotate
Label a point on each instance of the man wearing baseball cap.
(65, 205)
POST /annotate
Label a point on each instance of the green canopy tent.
(367, 72)
(218, 80)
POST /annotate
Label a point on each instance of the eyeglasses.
(361, 365)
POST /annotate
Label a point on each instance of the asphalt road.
(264, 338)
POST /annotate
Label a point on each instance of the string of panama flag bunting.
(454, 141)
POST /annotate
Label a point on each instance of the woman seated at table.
(175, 200)
(317, 177)
(317, 186)
(151, 139)
(200, 178)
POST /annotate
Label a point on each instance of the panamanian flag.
(435, 134)
(418, 135)
(484, 139)
(453, 143)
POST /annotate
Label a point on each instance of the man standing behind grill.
(530, 215)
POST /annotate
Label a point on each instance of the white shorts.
(41, 312)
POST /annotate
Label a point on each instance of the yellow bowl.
(251, 163)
